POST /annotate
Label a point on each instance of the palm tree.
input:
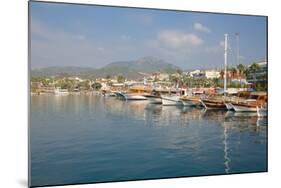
(241, 70)
(233, 72)
(247, 72)
(254, 68)
(222, 74)
(174, 79)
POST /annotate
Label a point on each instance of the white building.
(212, 74)
(195, 73)
(260, 75)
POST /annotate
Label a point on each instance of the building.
(211, 74)
(159, 76)
(196, 74)
(260, 75)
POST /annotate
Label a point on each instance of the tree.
(96, 86)
(120, 79)
(254, 68)
(84, 85)
(233, 72)
(247, 72)
(179, 71)
(241, 71)
(216, 82)
(174, 79)
(241, 68)
(222, 74)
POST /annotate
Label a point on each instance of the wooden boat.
(134, 96)
(218, 101)
(244, 108)
(190, 100)
(239, 97)
(255, 100)
(228, 106)
(214, 102)
(134, 93)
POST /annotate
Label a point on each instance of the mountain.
(129, 69)
(132, 69)
(55, 71)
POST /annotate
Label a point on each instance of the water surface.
(83, 139)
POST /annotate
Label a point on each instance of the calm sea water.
(82, 139)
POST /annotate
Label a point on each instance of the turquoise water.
(86, 139)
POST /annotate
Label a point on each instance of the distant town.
(252, 77)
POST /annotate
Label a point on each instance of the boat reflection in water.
(144, 110)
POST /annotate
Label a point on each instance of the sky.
(94, 36)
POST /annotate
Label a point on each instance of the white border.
(13, 95)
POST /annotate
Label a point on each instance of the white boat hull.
(190, 103)
(109, 95)
(134, 97)
(239, 108)
(171, 100)
(154, 100)
(229, 106)
(61, 93)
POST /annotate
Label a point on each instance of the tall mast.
(225, 62)
(237, 47)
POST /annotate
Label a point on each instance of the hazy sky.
(93, 36)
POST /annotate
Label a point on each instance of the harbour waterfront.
(91, 138)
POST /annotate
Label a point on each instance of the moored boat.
(239, 97)
(154, 99)
(255, 100)
(106, 93)
(61, 92)
(190, 100)
(229, 106)
(134, 93)
(216, 102)
(134, 96)
(244, 108)
(172, 100)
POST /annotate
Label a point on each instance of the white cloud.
(178, 40)
(199, 27)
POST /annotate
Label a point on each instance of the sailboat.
(240, 97)
(191, 100)
(255, 100)
(217, 101)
